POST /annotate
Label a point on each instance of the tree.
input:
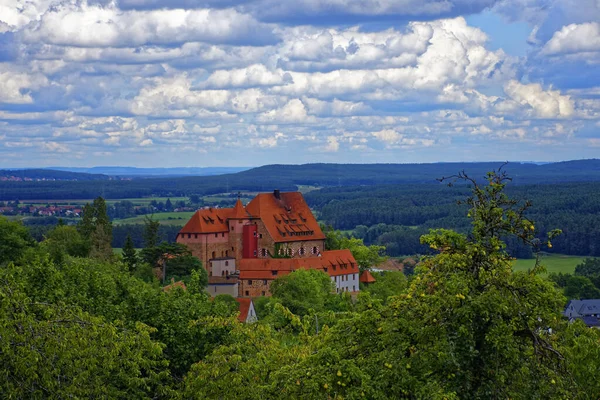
(149, 253)
(65, 240)
(169, 205)
(14, 240)
(392, 283)
(129, 254)
(303, 290)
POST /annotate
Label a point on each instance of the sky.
(165, 83)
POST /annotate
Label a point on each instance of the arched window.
(302, 251)
(214, 255)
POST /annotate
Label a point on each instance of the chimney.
(277, 194)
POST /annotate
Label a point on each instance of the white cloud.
(146, 142)
(333, 145)
(293, 111)
(17, 86)
(546, 104)
(85, 25)
(574, 38)
(253, 75)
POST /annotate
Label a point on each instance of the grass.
(166, 218)
(554, 263)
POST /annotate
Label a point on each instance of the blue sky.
(253, 82)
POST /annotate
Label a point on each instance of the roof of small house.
(245, 304)
(367, 277)
(583, 307)
(334, 262)
(286, 216)
(173, 285)
(590, 321)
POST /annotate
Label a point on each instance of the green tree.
(130, 254)
(387, 284)
(149, 253)
(64, 241)
(14, 240)
(169, 205)
(303, 290)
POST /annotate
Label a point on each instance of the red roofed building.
(242, 247)
(247, 312)
(367, 277)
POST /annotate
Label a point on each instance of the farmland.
(554, 263)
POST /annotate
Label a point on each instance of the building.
(245, 248)
(247, 313)
(586, 310)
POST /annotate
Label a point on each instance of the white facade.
(346, 283)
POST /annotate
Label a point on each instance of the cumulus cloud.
(85, 25)
(17, 85)
(574, 38)
(545, 103)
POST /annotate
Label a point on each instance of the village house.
(245, 248)
(586, 310)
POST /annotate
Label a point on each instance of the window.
(226, 253)
(223, 234)
(232, 228)
(214, 255)
(223, 273)
(274, 272)
(315, 250)
(189, 235)
(290, 251)
(264, 281)
(249, 281)
(254, 233)
(263, 292)
(264, 252)
(354, 288)
(247, 293)
(254, 253)
(302, 251)
(195, 236)
(216, 235)
(260, 235)
(227, 263)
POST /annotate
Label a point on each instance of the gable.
(286, 216)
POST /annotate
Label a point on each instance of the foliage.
(96, 229)
(65, 241)
(303, 290)
(54, 351)
(387, 284)
(14, 240)
(129, 254)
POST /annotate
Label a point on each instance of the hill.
(288, 177)
(49, 175)
(146, 172)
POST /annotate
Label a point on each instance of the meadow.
(554, 263)
(165, 218)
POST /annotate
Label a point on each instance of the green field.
(166, 218)
(554, 263)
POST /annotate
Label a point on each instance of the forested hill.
(288, 177)
(49, 174)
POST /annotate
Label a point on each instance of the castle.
(245, 248)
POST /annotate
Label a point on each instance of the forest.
(78, 321)
(396, 216)
(289, 177)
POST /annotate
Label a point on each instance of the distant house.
(366, 277)
(586, 310)
(173, 285)
(247, 312)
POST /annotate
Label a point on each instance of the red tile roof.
(287, 218)
(173, 285)
(334, 262)
(244, 308)
(208, 220)
(366, 277)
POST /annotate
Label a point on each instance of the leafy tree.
(149, 253)
(14, 240)
(130, 254)
(182, 265)
(387, 284)
(65, 240)
(365, 256)
(303, 290)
